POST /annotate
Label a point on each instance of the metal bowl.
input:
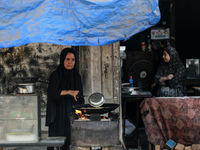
(96, 99)
(132, 90)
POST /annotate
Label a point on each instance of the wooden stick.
(123, 144)
(198, 146)
(194, 147)
(157, 147)
(188, 148)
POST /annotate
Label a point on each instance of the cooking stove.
(95, 132)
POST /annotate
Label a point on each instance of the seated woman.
(171, 75)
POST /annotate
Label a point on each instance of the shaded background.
(187, 28)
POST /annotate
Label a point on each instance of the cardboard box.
(170, 144)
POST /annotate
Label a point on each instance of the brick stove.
(95, 132)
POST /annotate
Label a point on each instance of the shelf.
(20, 119)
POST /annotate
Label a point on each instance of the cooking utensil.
(88, 109)
(96, 99)
(82, 96)
(25, 88)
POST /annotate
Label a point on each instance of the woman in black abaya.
(171, 75)
(64, 87)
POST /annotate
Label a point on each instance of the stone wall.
(32, 60)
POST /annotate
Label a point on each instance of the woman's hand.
(170, 76)
(153, 84)
(73, 93)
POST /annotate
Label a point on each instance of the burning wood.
(88, 117)
(80, 114)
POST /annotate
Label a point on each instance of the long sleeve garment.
(60, 107)
(176, 87)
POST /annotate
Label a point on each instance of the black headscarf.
(66, 76)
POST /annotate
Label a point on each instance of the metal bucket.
(25, 88)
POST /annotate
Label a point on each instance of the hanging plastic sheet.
(74, 22)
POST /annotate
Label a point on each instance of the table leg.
(150, 146)
(124, 111)
(137, 122)
(137, 119)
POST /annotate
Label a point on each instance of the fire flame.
(104, 117)
(78, 112)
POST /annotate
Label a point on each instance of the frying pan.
(88, 109)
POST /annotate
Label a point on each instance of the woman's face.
(166, 57)
(69, 61)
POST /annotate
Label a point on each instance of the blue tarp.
(74, 22)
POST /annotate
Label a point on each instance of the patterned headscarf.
(175, 67)
(175, 61)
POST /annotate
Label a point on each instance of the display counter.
(19, 119)
(56, 142)
(176, 118)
